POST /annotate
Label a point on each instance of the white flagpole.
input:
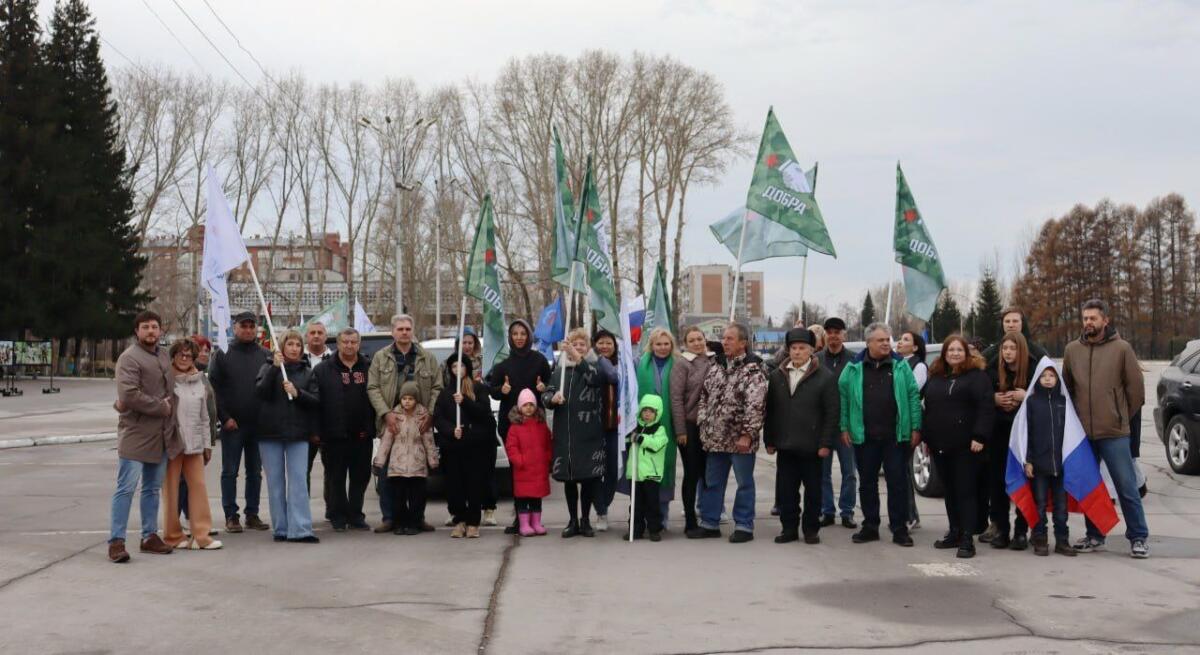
(462, 318)
(633, 455)
(737, 275)
(270, 326)
(803, 282)
(562, 381)
(887, 314)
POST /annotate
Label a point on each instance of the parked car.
(373, 342)
(1177, 415)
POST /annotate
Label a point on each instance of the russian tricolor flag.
(1085, 488)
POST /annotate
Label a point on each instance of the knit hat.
(800, 335)
(526, 396)
(410, 389)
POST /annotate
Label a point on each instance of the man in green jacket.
(880, 415)
(404, 361)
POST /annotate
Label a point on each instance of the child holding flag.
(648, 443)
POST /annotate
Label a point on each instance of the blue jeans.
(845, 456)
(286, 464)
(608, 487)
(128, 472)
(892, 457)
(1052, 486)
(712, 497)
(1116, 455)
(233, 444)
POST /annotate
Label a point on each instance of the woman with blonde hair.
(687, 381)
(654, 377)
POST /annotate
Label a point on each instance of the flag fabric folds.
(627, 384)
(550, 329)
(590, 251)
(563, 248)
(483, 282)
(764, 238)
(224, 251)
(362, 322)
(658, 310)
(916, 254)
(1085, 488)
(782, 192)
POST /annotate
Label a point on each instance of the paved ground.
(356, 592)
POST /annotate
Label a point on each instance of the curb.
(56, 441)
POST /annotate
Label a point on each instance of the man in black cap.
(799, 428)
(835, 357)
(233, 375)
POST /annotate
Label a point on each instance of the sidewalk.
(82, 411)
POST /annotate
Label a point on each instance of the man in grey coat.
(145, 432)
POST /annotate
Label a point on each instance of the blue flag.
(550, 328)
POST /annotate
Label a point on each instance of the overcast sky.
(1003, 114)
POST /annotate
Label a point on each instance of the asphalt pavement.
(357, 592)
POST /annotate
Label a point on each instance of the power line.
(173, 35)
(237, 40)
(214, 47)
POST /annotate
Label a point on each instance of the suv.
(373, 342)
(1177, 415)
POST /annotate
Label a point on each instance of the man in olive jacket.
(145, 432)
(404, 361)
(799, 428)
(1106, 384)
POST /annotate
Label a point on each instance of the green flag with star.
(916, 254)
(658, 309)
(563, 248)
(602, 290)
(483, 282)
(781, 191)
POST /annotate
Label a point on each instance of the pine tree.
(985, 315)
(867, 316)
(88, 246)
(25, 135)
(946, 318)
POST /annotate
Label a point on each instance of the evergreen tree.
(985, 316)
(867, 316)
(87, 246)
(946, 318)
(25, 135)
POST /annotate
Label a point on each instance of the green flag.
(333, 317)
(782, 192)
(483, 282)
(602, 292)
(658, 310)
(764, 238)
(563, 248)
(923, 276)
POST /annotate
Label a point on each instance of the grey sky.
(1003, 114)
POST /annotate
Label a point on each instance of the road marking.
(946, 569)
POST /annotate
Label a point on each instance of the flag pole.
(803, 282)
(562, 380)
(887, 314)
(270, 326)
(462, 317)
(737, 275)
(632, 454)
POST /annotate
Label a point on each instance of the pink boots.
(535, 522)
(523, 521)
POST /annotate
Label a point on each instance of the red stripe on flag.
(1023, 499)
(1098, 507)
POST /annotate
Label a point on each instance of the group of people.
(707, 405)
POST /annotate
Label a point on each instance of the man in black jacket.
(346, 427)
(834, 358)
(799, 428)
(233, 375)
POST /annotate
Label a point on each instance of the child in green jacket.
(647, 446)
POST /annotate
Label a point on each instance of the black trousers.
(344, 460)
(579, 497)
(960, 475)
(693, 473)
(998, 504)
(468, 480)
(892, 457)
(312, 456)
(408, 498)
(647, 511)
(528, 504)
(794, 469)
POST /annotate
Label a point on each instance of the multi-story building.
(704, 294)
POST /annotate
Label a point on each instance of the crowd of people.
(705, 405)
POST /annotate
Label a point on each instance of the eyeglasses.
(185, 356)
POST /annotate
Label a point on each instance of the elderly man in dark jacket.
(799, 428)
(233, 374)
(346, 426)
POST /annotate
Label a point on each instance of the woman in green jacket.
(654, 377)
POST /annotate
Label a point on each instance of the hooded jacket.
(578, 435)
(648, 377)
(732, 402)
(529, 450)
(803, 420)
(408, 452)
(648, 442)
(523, 368)
(1046, 416)
(1106, 384)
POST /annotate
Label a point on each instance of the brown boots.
(155, 546)
(117, 553)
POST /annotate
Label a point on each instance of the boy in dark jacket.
(1047, 417)
(799, 428)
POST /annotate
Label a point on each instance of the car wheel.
(925, 477)
(1182, 444)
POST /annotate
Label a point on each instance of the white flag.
(362, 322)
(627, 385)
(224, 251)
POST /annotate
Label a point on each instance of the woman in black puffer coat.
(466, 438)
